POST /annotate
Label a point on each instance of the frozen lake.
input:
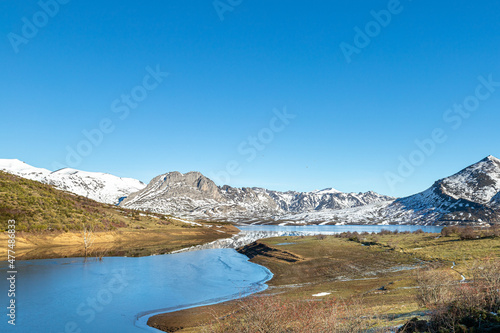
(70, 295)
(119, 294)
(335, 229)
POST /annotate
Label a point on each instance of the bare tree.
(88, 237)
(434, 287)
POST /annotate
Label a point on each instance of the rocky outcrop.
(261, 249)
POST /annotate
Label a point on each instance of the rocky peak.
(478, 182)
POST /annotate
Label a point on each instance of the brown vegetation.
(379, 269)
(468, 306)
(275, 315)
(469, 233)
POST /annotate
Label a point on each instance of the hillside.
(40, 207)
(101, 187)
(470, 196)
(467, 196)
(49, 223)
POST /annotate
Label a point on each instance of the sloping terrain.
(98, 186)
(461, 198)
(40, 207)
(469, 196)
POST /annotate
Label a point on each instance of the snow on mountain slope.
(462, 197)
(372, 213)
(495, 201)
(18, 168)
(478, 182)
(298, 202)
(193, 194)
(469, 196)
(98, 186)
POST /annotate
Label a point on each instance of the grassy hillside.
(49, 224)
(40, 207)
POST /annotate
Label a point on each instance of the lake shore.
(380, 270)
(121, 242)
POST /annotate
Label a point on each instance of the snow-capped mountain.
(462, 197)
(469, 196)
(478, 182)
(98, 186)
(18, 168)
(196, 195)
(298, 202)
(193, 194)
(372, 213)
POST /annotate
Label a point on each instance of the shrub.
(434, 288)
(385, 232)
(274, 315)
(449, 231)
(461, 307)
(467, 233)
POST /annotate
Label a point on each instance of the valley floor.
(379, 269)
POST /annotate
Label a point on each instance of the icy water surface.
(334, 229)
(118, 294)
(251, 233)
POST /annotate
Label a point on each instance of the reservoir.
(119, 294)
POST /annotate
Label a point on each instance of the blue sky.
(352, 121)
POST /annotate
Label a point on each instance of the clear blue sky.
(353, 119)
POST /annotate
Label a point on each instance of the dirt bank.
(123, 242)
(261, 249)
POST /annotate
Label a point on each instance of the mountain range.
(195, 195)
(469, 196)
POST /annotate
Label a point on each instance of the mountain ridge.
(471, 195)
(197, 195)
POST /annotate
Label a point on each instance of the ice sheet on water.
(108, 296)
